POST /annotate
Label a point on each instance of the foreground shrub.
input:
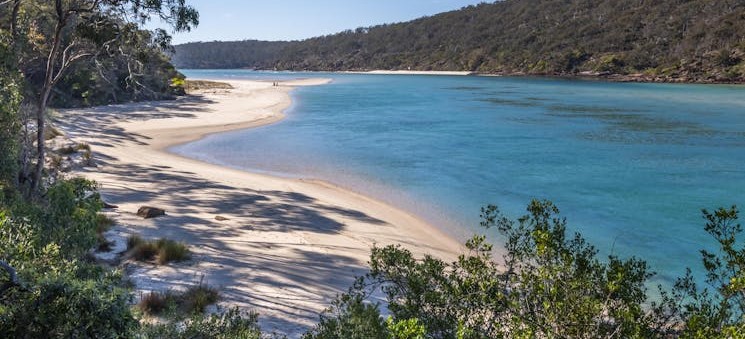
(551, 285)
(716, 311)
(70, 216)
(68, 308)
(351, 318)
(231, 324)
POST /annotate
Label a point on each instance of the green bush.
(350, 317)
(719, 310)
(65, 307)
(10, 124)
(58, 296)
(71, 215)
(232, 324)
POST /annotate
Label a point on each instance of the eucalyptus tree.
(52, 36)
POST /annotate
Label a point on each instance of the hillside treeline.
(687, 40)
(549, 283)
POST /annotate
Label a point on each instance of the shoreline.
(408, 72)
(288, 246)
(585, 75)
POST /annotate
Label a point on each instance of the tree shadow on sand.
(102, 120)
(279, 274)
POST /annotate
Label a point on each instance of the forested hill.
(684, 40)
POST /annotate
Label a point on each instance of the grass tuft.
(169, 250)
(67, 150)
(134, 241)
(51, 133)
(155, 302)
(192, 301)
(103, 223)
(83, 147)
(197, 298)
(196, 85)
(161, 251)
(144, 252)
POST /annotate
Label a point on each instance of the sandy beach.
(285, 247)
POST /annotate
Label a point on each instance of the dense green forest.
(672, 40)
(550, 284)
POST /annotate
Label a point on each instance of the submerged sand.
(288, 246)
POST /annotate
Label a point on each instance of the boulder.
(150, 212)
(221, 218)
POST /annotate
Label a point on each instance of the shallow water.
(630, 165)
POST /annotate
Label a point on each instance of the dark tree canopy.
(696, 40)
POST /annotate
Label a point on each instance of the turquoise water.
(630, 165)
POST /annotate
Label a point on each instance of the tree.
(63, 32)
(717, 311)
(10, 100)
(550, 285)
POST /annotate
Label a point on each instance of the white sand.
(391, 72)
(289, 245)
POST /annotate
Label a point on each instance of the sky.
(300, 19)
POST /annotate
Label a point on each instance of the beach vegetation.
(47, 287)
(86, 52)
(68, 53)
(234, 323)
(548, 283)
(196, 298)
(350, 317)
(197, 85)
(161, 251)
(154, 303)
(103, 224)
(193, 300)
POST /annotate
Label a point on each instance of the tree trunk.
(25, 153)
(46, 90)
(14, 20)
(40, 146)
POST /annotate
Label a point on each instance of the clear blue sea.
(630, 165)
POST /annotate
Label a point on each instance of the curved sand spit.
(288, 246)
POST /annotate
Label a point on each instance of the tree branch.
(14, 280)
